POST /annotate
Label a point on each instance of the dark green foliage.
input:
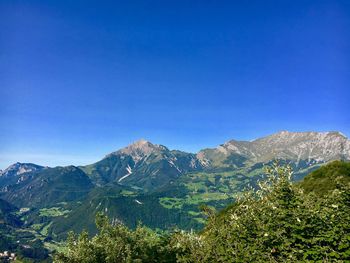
(35, 252)
(128, 209)
(12, 230)
(116, 243)
(327, 178)
(279, 222)
(7, 216)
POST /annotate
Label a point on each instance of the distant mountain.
(148, 167)
(151, 166)
(310, 147)
(143, 164)
(49, 186)
(17, 172)
(161, 187)
(20, 168)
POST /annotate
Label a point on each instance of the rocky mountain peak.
(20, 168)
(141, 144)
(141, 148)
(316, 147)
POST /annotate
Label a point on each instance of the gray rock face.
(17, 172)
(20, 168)
(314, 147)
(141, 149)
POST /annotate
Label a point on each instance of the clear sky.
(79, 79)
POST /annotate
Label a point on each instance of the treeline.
(279, 222)
(125, 208)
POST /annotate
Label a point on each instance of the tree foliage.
(279, 222)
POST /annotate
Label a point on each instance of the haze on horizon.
(80, 79)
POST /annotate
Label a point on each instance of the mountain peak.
(20, 168)
(141, 143)
(141, 148)
(283, 132)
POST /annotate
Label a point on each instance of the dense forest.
(279, 221)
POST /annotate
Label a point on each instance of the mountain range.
(148, 166)
(161, 187)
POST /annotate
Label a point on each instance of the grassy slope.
(327, 177)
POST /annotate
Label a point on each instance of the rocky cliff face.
(312, 147)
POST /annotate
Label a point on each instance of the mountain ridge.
(148, 166)
(163, 187)
(311, 146)
(142, 147)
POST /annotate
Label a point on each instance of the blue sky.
(79, 79)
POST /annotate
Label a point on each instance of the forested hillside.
(327, 178)
(278, 222)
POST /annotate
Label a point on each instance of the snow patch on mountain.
(138, 202)
(129, 172)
